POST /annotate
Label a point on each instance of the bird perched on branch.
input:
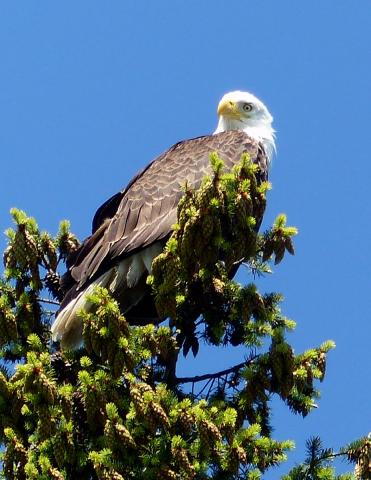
(130, 229)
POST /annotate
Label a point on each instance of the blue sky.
(91, 91)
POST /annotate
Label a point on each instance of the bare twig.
(210, 388)
(46, 300)
(203, 388)
(209, 376)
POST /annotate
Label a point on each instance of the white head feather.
(243, 111)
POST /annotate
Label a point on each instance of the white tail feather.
(67, 327)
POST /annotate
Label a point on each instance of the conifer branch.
(112, 409)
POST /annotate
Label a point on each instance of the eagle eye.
(247, 107)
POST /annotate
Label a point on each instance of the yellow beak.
(227, 108)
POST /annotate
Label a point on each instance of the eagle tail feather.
(67, 327)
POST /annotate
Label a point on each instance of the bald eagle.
(130, 229)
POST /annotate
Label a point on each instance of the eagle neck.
(262, 133)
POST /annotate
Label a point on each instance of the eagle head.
(243, 111)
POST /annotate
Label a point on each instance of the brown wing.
(144, 212)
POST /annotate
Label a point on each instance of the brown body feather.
(144, 212)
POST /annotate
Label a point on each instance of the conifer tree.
(117, 408)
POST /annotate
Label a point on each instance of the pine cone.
(167, 474)
(118, 364)
(207, 227)
(363, 466)
(47, 388)
(322, 364)
(10, 324)
(96, 339)
(158, 414)
(9, 258)
(79, 416)
(187, 240)
(158, 265)
(44, 424)
(107, 474)
(62, 367)
(237, 456)
(25, 247)
(48, 248)
(8, 463)
(59, 449)
(52, 283)
(15, 456)
(32, 249)
(243, 210)
(109, 433)
(124, 435)
(137, 397)
(113, 475)
(209, 432)
(4, 387)
(184, 204)
(181, 457)
(55, 474)
(186, 420)
(68, 245)
(205, 195)
(92, 409)
(171, 270)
